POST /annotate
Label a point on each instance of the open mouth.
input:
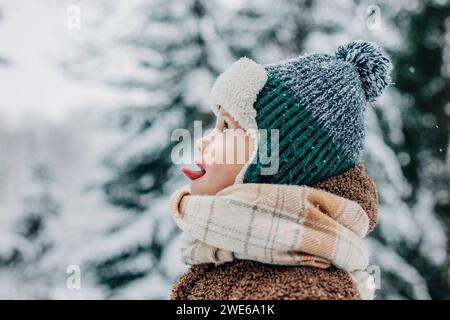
(194, 174)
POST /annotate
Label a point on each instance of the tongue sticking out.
(194, 174)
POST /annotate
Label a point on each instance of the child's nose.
(202, 143)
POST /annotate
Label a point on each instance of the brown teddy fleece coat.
(251, 280)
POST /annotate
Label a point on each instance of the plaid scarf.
(275, 224)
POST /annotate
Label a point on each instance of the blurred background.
(90, 92)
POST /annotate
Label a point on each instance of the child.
(241, 219)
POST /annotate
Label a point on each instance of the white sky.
(33, 36)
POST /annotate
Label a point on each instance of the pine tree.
(31, 236)
(422, 74)
(177, 47)
(290, 28)
(410, 243)
(183, 47)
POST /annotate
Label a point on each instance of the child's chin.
(201, 186)
(197, 187)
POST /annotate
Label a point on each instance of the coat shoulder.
(251, 280)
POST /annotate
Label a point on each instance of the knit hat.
(317, 103)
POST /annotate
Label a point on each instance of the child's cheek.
(215, 152)
(223, 160)
(221, 176)
(231, 148)
(238, 149)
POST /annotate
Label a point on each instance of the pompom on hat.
(317, 103)
(372, 66)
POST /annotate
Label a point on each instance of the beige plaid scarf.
(275, 224)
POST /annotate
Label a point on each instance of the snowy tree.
(422, 76)
(178, 50)
(39, 209)
(177, 69)
(173, 54)
(412, 186)
(28, 238)
(159, 60)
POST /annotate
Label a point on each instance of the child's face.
(222, 154)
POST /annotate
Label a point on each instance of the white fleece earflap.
(236, 90)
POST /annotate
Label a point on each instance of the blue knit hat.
(317, 103)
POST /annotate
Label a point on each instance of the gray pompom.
(371, 63)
